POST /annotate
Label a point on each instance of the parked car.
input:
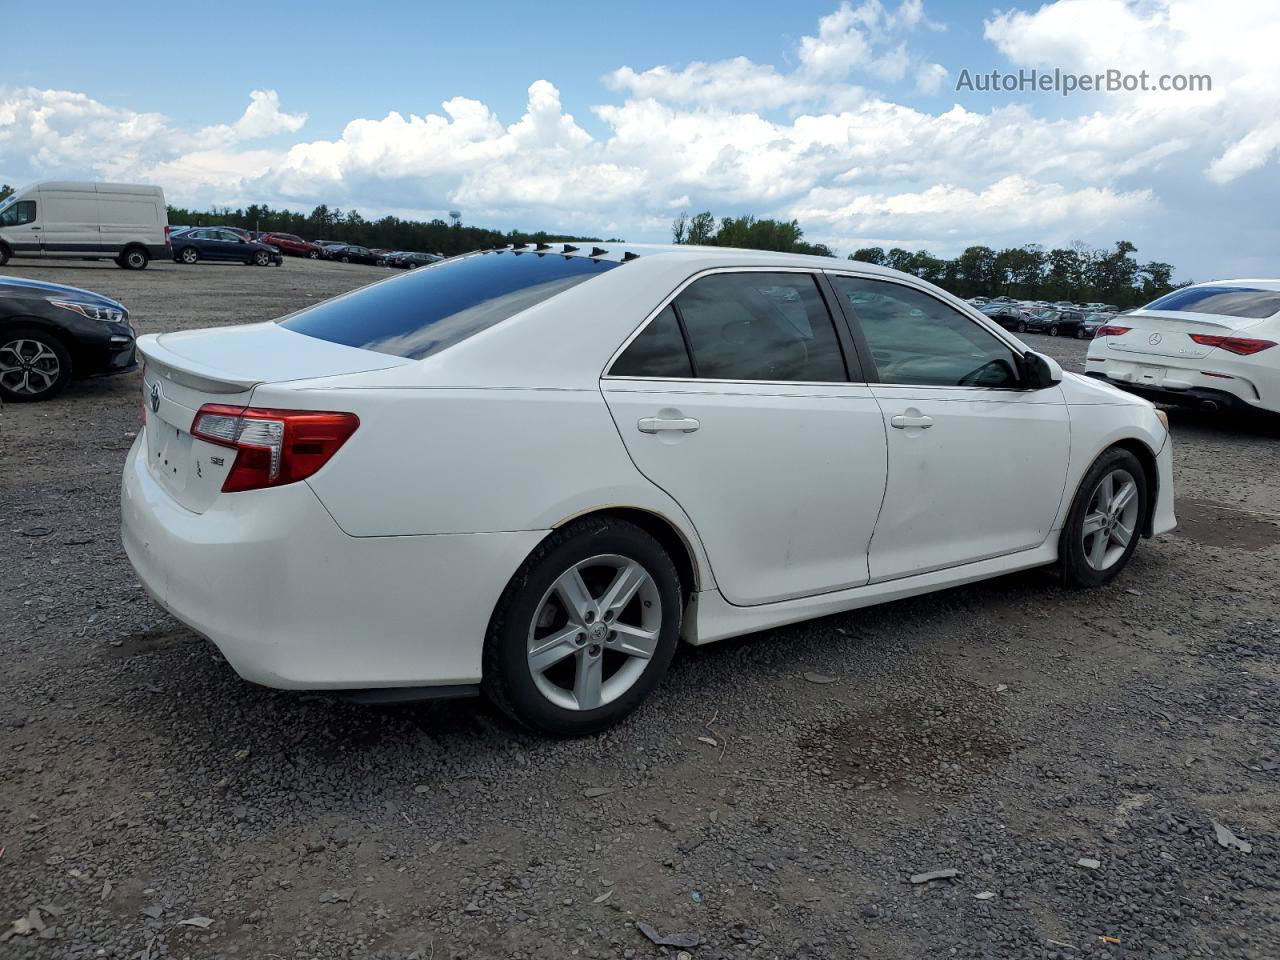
(50, 333)
(1092, 323)
(411, 261)
(750, 420)
(1054, 322)
(221, 243)
(1212, 345)
(1008, 315)
(85, 220)
(292, 245)
(352, 253)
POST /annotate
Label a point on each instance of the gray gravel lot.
(1065, 753)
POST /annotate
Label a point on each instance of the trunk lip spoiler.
(1206, 319)
(190, 373)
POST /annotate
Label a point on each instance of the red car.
(294, 246)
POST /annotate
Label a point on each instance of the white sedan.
(1212, 345)
(533, 471)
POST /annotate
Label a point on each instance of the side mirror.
(1040, 371)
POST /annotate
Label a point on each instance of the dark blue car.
(221, 243)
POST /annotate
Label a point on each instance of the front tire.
(262, 258)
(4, 254)
(1053, 331)
(313, 254)
(1022, 327)
(1105, 521)
(585, 630)
(1080, 334)
(346, 259)
(34, 365)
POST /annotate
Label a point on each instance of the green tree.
(5, 191)
(702, 229)
(874, 255)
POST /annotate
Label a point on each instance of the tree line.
(390, 233)
(1078, 274)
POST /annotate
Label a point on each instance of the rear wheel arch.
(667, 534)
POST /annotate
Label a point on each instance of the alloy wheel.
(1111, 519)
(594, 632)
(28, 367)
(189, 256)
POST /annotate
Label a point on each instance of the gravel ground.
(1064, 753)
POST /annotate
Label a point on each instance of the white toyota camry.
(1212, 345)
(533, 471)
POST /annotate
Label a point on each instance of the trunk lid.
(184, 371)
(1167, 333)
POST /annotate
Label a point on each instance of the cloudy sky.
(610, 119)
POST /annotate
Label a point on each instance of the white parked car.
(532, 471)
(1213, 345)
(85, 220)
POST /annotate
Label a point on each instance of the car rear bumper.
(1176, 385)
(291, 601)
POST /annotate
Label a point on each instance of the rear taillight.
(166, 235)
(273, 447)
(1241, 346)
(1112, 331)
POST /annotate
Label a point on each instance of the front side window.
(22, 212)
(423, 312)
(916, 339)
(760, 326)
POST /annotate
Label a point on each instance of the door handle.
(659, 424)
(902, 422)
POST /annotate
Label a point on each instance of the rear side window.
(658, 351)
(1245, 302)
(760, 326)
(426, 311)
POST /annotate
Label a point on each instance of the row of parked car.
(193, 244)
(1081, 321)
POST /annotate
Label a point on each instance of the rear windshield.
(434, 307)
(1245, 302)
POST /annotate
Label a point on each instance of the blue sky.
(611, 118)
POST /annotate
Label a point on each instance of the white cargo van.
(84, 220)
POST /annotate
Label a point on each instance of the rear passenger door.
(977, 461)
(736, 398)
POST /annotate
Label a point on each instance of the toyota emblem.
(1154, 339)
(155, 398)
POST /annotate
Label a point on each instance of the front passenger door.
(977, 462)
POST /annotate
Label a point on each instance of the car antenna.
(518, 246)
(598, 252)
(630, 256)
(570, 248)
(543, 246)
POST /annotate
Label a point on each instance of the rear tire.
(313, 254)
(1103, 528)
(188, 255)
(4, 254)
(135, 258)
(34, 365)
(1053, 331)
(559, 666)
(1022, 327)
